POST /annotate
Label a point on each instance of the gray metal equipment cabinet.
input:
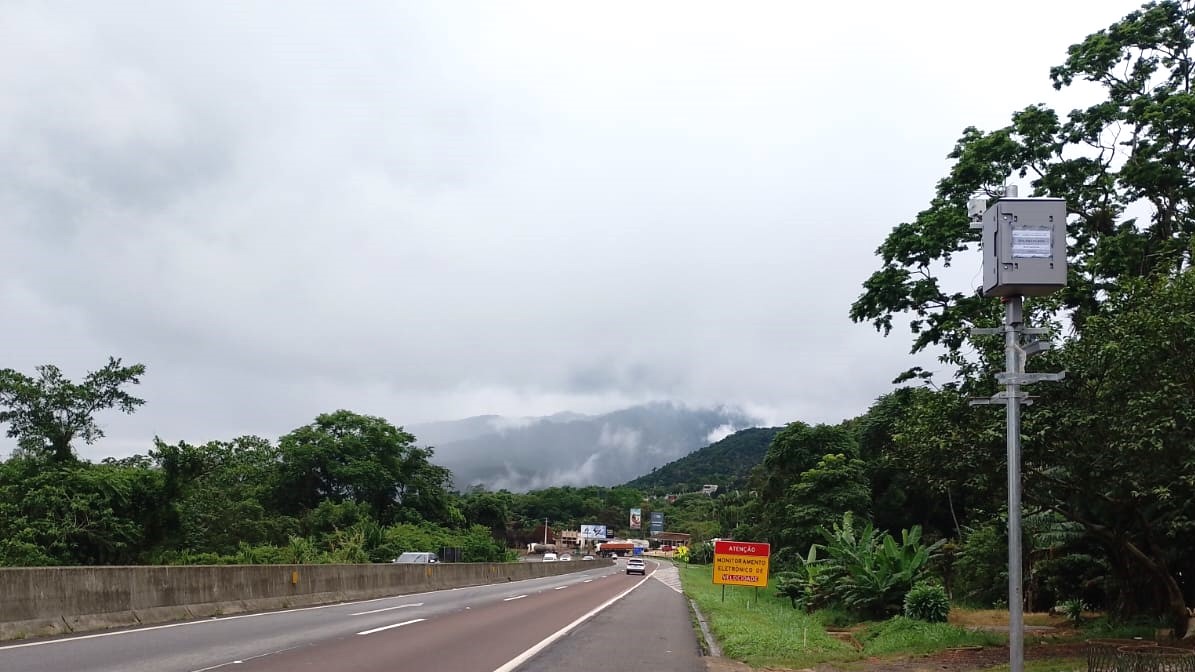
(1024, 247)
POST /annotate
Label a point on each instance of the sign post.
(741, 563)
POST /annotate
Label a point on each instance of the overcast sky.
(431, 210)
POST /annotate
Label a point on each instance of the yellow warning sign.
(741, 563)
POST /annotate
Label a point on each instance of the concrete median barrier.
(38, 601)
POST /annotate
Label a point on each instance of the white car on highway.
(636, 566)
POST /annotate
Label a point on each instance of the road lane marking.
(516, 597)
(587, 581)
(214, 619)
(514, 663)
(378, 611)
(560, 587)
(240, 662)
(392, 625)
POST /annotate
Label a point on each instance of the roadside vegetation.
(762, 629)
(899, 513)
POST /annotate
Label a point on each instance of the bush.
(701, 554)
(927, 602)
(809, 587)
(871, 570)
(981, 567)
(478, 545)
(791, 586)
(1073, 610)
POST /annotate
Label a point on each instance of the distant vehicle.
(636, 566)
(549, 557)
(416, 558)
(565, 557)
(587, 557)
(666, 548)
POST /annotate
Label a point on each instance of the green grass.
(764, 630)
(906, 635)
(1105, 628)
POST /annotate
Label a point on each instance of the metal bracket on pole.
(1001, 399)
(1000, 331)
(1005, 378)
(1036, 347)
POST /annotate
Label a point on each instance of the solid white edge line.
(165, 626)
(378, 611)
(523, 657)
(392, 625)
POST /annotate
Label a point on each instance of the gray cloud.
(436, 210)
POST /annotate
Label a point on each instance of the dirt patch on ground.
(968, 659)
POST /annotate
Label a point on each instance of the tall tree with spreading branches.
(47, 413)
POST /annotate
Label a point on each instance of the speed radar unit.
(1024, 247)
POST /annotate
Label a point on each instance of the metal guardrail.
(1134, 655)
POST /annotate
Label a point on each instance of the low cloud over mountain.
(522, 454)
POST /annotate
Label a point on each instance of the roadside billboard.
(593, 531)
(741, 563)
(657, 522)
(636, 518)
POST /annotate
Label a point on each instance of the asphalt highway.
(499, 627)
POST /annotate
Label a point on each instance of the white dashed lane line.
(378, 611)
(391, 626)
(516, 597)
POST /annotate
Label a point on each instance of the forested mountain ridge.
(726, 463)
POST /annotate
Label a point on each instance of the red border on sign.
(742, 548)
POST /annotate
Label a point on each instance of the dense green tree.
(222, 493)
(569, 507)
(1110, 448)
(797, 449)
(836, 485)
(46, 414)
(490, 509)
(76, 513)
(900, 496)
(1113, 447)
(1130, 149)
(344, 456)
(694, 514)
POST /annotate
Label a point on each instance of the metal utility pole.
(1026, 256)
(1016, 618)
